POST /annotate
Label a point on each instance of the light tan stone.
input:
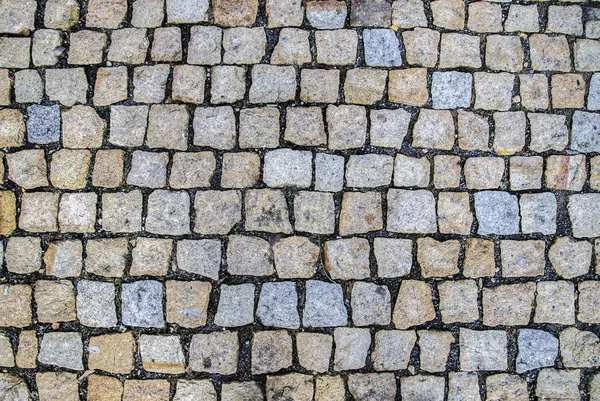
(414, 305)
(112, 353)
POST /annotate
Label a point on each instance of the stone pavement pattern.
(298, 200)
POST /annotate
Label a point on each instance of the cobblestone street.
(299, 200)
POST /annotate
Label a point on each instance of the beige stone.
(187, 302)
(12, 128)
(408, 86)
(8, 211)
(108, 168)
(104, 388)
(568, 91)
(15, 306)
(57, 386)
(112, 353)
(565, 172)
(364, 85)
(437, 258)
(27, 350)
(458, 301)
(55, 301)
(314, 351)
(414, 305)
(239, 13)
(146, 390)
(434, 349)
(508, 305)
(522, 258)
(479, 258)
(69, 168)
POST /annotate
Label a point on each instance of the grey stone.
(147, 13)
(389, 127)
(236, 305)
(538, 213)
(215, 352)
(96, 304)
(347, 126)
(393, 349)
(227, 205)
(593, 100)
(166, 44)
(266, 210)
(214, 127)
(579, 348)
(272, 84)
(324, 306)
(168, 213)
(326, 14)
(186, 11)
(584, 212)
(148, 169)
(278, 305)
(17, 17)
(271, 352)
(314, 212)
(122, 211)
(585, 132)
(483, 350)
(67, 85)
(244, 45)
(347, 258)
(288, 168)
(128, 125)
(142, 304)
(43, 124)
(64, 350)
(336, 47)
(393, 256)
(304, 126)
(411, 211)
(351, 347)
(149, 83)
(227, 85)
(205, 45)
(249, 256)
(382, 48)
(64, 259)
(369, 170)
(161, 354)
(371, 304)
(451, 90)
(295, 257)
(554, 384)
(419, 387)
(106, 256)
(463, 386)
(497, 213)
(293, 46)
(434, 129)
(195, 390)
(372, 386)
(242, 391)
(46, 47)
(537, 349)
(329, 172)
(522, 18)
(28, 87)
(201, 257)
(570, 258)
(408, 13)
(151, 256)
(13, 388)
(548, 132)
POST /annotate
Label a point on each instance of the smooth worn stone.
(364, 85)
(347, 125)
(393, 256)
(304, 126)
(451, 90)
(411, 211)
(485, 17)
(39, 211)
(161, 354)
(259, 127)
(371, 304)
(284, 13)
(493, 91)
(236, 305)
(555, 302)
(351, 348)
(570, 258)
(272, 84)
(361, 213)
(187, 302)
(506, 386)
(522, 258)
(122, 211)
(336, 47)
(554, 384)
(266, 210)
(483, 350)
(388, 127)
(421, 46)
(329, 14)
(214, 127)
(463, 386)
(473, 131)
(23, 255)
(537, 349)
(64, 350)
(55, 301)
(271, 351)
(319, 86)
(408, 13)
(565, 19)
(584, 133)
(549, 53)
(449, 14)
(149, 83)
(278, 305)
(548, 131)
(458, 301)
(295, 257)
(28, 87)
(240, 170)
(43, 124)
(369, 170)
(508, 304)
(324, 305)
(202, 257)
(408, 86)
(214, 353)
(225, 204)
(314, 351)
(293, 46)
(504, 53)
(382, 48)
(96, 304)
(522, 18)
(86, 47)
(392, 349)
(287, 168)
(46, 47)
(434, 129)
(329, 172)
(347, 258)
(459, 50)
(314, 212)
(106, 256)
(244, 45)
(142, 304)
(437, 258)
(414, 387)
(168, 213)
(57, 386)
(414, 305)
(249, 256)
(64, 259)
(372, 386)
(204, 46)
(14, 52)
(68, 86)
(509, 132)
(15, 305)
(497, 213)
(484, 172)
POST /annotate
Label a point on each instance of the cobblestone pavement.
(295, 200)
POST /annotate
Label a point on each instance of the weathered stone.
(27, 350)
(236, 305)
(142, 390)
(392, 349)
(240, 391)
(214, 353)
(240, 170)
(227, 205)
(314, 351)
(508, 304)
(484, 172)
(87, 47)
(582, 212)
(186, 11)
(372, 386)
(67, 86)
(493, 91)
(168, 213)
(336, 47)
(318, 85)
(479, 258)
(330, 14)
(463, 386)
(286, 167)
(272, 84)
(57, 386)
(329, 172)
(295, 257)
(434, 129)
(347, 126)
(549, 53)
(504, 53)
(15, 305)
(382, 48)
(483, 350)
(202, 257)
(526, 172)
(244, 45)
(411, 211)
(23, 255)
(565, 172)
(371, 304)
(18, 17)
(192, 389)
(522, 258)
(12, 128)
(411, 171)
(69, 168)
(459, 50)
(161, 354)
(388, 127)
(64, 350)
(555, 302)
(537, 349)
(586, 55)
(271, 351)
(584, 134)
(421, 46)
(451, 90)
(485, 17)
(497, 213)
(278, 305)
(454, 213)
(361, 212)
(187, 302)
(434, 347)
(558, 384)
(122, 211)
(104, 388)
(347, 258)
(458, 301)
(393, 256)
(96, 304)
(147, 13)
(314, 212)
(204, 46)
(46, 47)
(43, 124)
(364, 85)
(408, 86)
(414, 305)
(55, 301)
(589, 291)
(214, 127)
(39, 211)
(351, 348)
(82, 127)
(266, 210)
(506, 386)
(408, 13)
(14, 52)
(437, 258)
(324, 305)
(449, 14)
(142, 304)
(293, 46)
(64, 259)
(570, 258)
(27, 168)
(106, 256)
(149, 83)
(414, 387)
(28, 87)
(522, 18)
